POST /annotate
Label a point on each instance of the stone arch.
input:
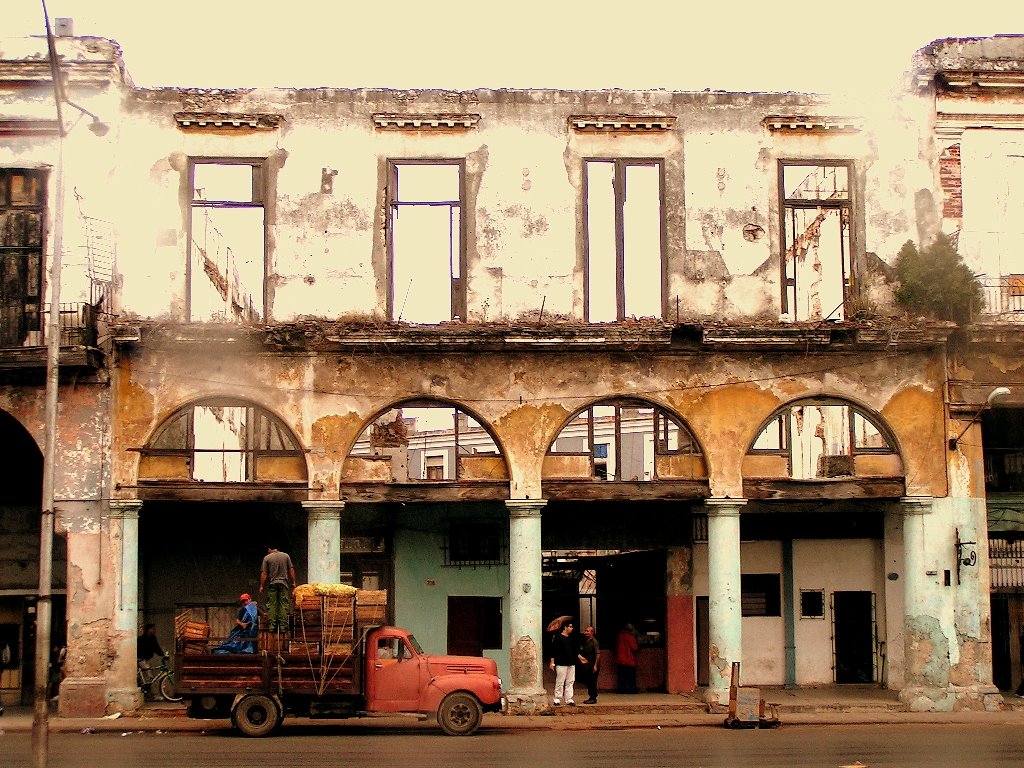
(457, 445)
(224, 440)
(624, 439)
(823, 437)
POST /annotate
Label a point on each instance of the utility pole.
(44, 601)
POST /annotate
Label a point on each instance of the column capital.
(723, 507)
(324, 510)
(916, 505)
(125, 509)
(525, 507)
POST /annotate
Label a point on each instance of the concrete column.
(123, 693)
(525, 688)
(724, 619)
(680, 672)
(323, 529)
(925, 645)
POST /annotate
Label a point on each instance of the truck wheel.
(256, 715)
(459, 714)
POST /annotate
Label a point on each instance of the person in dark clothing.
(565, 655)
(147, 646)
(591, 651)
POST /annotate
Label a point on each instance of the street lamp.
(994, 395)
(44, 601)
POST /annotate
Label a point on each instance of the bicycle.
(158, 681)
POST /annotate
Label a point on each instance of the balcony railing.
(1003, 295)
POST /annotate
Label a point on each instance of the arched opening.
(21, 475)
(425, 441)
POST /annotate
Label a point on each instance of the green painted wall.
(423, 583)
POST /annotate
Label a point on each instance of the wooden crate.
(337, 634)
(195, 646)
(195, 630)
(337, 649)
(372, 597)
(371, 614)
(298, 646)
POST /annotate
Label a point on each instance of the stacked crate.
(192, 635)
(325, 621)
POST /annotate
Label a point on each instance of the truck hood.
(461, 665)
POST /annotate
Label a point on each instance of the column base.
(124, 700)
(82, 697)
(527, 702)
(716, 697)
(953, 698)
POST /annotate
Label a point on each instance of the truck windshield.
(415, 645)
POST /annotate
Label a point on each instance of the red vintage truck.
(331, 664)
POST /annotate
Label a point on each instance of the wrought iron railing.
(1002, 295)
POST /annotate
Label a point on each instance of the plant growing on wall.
(934, 281)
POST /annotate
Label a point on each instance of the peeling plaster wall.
(524, 214)
(525, 399)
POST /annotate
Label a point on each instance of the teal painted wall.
(422, 584)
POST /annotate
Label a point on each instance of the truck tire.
(256, 715)
(459, 714)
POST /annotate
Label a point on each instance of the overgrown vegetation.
(935, 282)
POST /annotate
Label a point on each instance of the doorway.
(853, 637)
(474, 624)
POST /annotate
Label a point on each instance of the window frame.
(620, 164)
(30, 315)
(257, 420)
(391, 204)
(758, 584)
(258, 200)
(659, 420)
(846, 210)
(462, 534)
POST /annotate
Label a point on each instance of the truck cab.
(399, 677)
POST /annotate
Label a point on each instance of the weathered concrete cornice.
(316, 336)
(77, 72)
(839, 336)
(996, 335)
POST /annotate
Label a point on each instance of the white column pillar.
(123, 693)
(323, 530)
(525, 688)
(725, 620)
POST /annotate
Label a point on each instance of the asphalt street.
(414, 745)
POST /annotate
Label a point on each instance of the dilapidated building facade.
(509, 354)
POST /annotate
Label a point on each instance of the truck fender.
(481, 687)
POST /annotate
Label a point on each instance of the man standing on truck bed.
(277, 578)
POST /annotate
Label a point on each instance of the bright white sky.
(828, 46)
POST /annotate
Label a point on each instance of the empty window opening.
(22, 205)
(425, 441)
(624, 234)
(425, 241)
(227, 243)
(812, 603)
(623, 439)
(821, 439)
(816, 239)
(760, 594)
(224, 441)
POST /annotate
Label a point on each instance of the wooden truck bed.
(290, 673)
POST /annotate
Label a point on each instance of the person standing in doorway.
(591, 651)
(626, 649)
(565, 655)
(277, 579)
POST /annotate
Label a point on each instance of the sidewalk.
(848, 705)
